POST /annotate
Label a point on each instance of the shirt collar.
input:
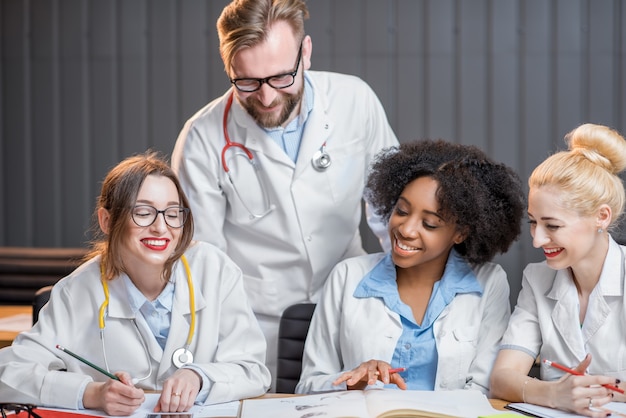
(137, 299)
(305, 109)
(458, 277)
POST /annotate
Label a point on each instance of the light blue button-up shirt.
(290, 137)
(416, 349)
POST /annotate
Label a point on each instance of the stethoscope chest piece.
(181, 357)
(321, 160)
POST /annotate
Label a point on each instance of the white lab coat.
(346, 331)
(287, 255)
(227, 345)
(545, 321)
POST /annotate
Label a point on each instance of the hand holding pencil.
(577, 373)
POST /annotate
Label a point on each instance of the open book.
(374, 403)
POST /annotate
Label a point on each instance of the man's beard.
(271, 120)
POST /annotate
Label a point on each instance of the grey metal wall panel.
(85, 83)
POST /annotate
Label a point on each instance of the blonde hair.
(246, 23)
(588, 172)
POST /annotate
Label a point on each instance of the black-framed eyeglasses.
(17, 408)
(278, 81)
(145, 215)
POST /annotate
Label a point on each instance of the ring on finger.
(590, 403)
(176, 393)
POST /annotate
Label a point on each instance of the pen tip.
(59, 347)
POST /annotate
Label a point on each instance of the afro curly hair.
(483, 198)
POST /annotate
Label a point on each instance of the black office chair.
(41, 298)
(292, 331)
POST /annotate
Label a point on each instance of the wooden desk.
(6, 337)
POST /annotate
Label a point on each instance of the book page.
(228, 409)
(343, 404)
(445, 403)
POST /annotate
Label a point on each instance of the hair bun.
(599, 144)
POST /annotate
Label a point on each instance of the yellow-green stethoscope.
(181, 356)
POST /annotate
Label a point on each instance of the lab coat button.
(442, 384)
(326, 126)
(308, 238)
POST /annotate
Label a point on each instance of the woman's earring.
(599, 230)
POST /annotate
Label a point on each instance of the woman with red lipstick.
(571, 309)
(150, 308)
(434, 306)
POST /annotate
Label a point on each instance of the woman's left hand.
(179, 391)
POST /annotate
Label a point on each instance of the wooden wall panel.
(85, 83)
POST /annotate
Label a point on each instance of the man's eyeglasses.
(145, 215)
(278, 81)
(5, 408)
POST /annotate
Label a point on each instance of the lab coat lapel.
(565, 313)
(610, 284)
(118, 300)
(119, 308)
(318, 128)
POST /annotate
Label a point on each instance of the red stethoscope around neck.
(321, 159)
(229, 143)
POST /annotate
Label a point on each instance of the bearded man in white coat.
(275, 168)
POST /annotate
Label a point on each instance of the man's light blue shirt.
(416, 349)
(290, 137)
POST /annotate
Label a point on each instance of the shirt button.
(155, 314)
(407, 346)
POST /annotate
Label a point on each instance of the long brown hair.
(118, 195)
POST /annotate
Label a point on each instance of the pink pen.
(396, 370)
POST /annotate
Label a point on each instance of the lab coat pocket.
(262, 294)
(346, 177)
(466, 341)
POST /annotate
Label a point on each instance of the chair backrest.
(292, 331)
(41, 298)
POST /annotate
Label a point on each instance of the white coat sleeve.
(322, 361)
(31, 370)
(381, 137)
(238, 369)
(495, 317)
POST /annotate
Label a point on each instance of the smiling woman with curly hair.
(434, 307)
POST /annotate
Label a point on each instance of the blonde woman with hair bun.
(571, 309)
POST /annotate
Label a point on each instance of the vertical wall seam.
(426, 79)
(585, 64)
(392, 61)
(489, 74)
(57, 118)
(86, 98)
(553, 31)
(28, 119)
(457, 94)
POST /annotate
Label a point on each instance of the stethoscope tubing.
(182, 356)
